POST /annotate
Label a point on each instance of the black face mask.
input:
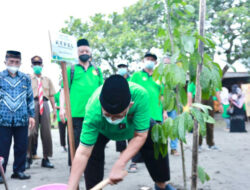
(84, 58)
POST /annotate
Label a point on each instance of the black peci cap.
(115, 95)
(13, 54)
(82, 42)
(148, 54)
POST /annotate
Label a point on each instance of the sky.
(24, 26)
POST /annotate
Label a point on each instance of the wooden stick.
(101, 185)
(105, 182)
(198, 95)
(68, 111)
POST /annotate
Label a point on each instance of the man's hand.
(31, 123)
(165, 115)
(54, 115)
(117, 173)
(62, 115)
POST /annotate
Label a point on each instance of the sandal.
(132, 168)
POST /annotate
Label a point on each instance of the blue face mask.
(122, 71)
(149, 64)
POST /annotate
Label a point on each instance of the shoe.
(132, 168)
(35, 157)
(46, 163)
(174, 152)
(20, 175)
(28, 163)
(1, 180)
(167, 187)
(213, 147)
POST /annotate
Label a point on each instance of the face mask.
(12, 69)
(149, 64)
(114, 122)
(84, 58)
(37, 69)
(122, 71)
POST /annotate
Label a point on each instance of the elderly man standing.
(43, 91)
(16, 113)
(83, 78)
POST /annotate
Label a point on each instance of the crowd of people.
(123, 108)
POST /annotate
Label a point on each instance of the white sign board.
(63, 47)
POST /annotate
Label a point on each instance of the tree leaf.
(210, 120)
(203, 176)
(156, 151)
(161, 32)
(155, 133)
(181, 128)
(175, 56)
(188, 42)
(189, 8)
(199, 117)
(183, 96)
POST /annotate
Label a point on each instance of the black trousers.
(77, 127)
(62, 132)
(94, 172)
(20, 135)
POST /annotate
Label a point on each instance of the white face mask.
(114, 122)
(149, 64)
(12, 69)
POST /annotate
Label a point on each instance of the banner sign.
(63, 47)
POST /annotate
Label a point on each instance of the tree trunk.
(198, 98)
(168, 10)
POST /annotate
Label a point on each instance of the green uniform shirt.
(128, 79)
(57, 101)
(137, 119)
(83, 85)
(192, 88)
(154, 90)
(224, 114)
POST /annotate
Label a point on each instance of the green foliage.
(203, 176)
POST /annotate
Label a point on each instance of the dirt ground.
(228, 167)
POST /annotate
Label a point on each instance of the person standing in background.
(16, 113)
(43, 91)
(144, 78)
(123, 71)
(83, 79)
(62, 127)
(209, 126)
(224, 95)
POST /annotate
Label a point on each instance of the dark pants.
(94, 172)
(209, 126)
(42, 122)
(20, 135)
(77, 127)
(62, 132)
